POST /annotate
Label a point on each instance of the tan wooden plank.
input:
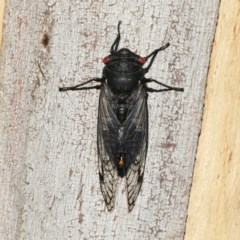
(214, 210)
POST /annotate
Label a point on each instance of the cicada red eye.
(106, 59)
(142, 60)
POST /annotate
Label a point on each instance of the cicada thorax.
(123, 82)
(123, 71)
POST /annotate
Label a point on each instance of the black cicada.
(122, 131)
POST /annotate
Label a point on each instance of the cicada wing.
(135, 142)
(132, 141)
(107, 139)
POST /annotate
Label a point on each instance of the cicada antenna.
(115, 44)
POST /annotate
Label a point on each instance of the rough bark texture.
(49, 176)
(214, 212)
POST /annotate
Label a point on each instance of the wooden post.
(49, 183)
(214, 211)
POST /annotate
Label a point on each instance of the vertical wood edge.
(2, 7)
(214, 207)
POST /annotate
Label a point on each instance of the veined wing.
(129, 138)
(134, 143)
(107, 141)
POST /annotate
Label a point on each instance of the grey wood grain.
(49, 174)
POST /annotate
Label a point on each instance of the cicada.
(122, 129)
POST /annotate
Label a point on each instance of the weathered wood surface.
(2, 6)
(49, 176)
(214, 212)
